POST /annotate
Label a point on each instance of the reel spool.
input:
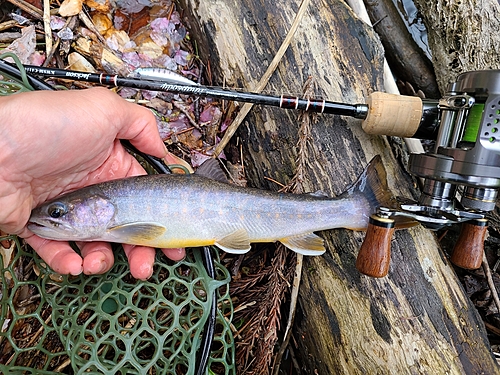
(461, 173)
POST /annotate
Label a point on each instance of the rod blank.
(283, 101)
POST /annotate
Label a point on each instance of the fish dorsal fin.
(235, 243)
(211, 169)
(141, 233)
(305, 244)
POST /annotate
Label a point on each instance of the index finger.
(57, 254)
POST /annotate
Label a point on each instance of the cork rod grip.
(374, 255)
(394, 115)
(469, 248)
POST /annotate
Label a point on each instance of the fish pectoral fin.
(137, 233)
(235, 243)
(306, 244)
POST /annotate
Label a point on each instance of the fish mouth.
(32, 224)
(47, 229)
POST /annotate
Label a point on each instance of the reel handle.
(469, 248)
(390, 114)
(374, 256)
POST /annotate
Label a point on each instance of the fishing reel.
(461, 174)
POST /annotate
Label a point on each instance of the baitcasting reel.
(461, 174)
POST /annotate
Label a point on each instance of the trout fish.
(174, 211)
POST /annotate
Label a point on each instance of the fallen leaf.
(99, 5)
(79, 63)
(24, 47)
(101, 22)
(70, 8)
(150, 49)
(118, 40)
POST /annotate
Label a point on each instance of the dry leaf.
(79, 63)
(99, 5)
(150, 49)
(24, 47)
(70, 8)
(113, 63)
(83, 45)
(102, 22)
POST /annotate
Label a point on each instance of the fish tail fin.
(372, 184)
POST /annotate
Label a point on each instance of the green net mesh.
(111, 323)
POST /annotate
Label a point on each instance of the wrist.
(8, 139)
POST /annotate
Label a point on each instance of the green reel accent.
(473, 123)
(113, 323)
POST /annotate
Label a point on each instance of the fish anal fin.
(237, 242)
(141, 233)
(306, 244)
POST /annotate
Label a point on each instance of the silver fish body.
(185, 211)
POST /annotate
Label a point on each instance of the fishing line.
(18, 73)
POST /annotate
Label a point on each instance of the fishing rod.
(283, 101)
(382, 114)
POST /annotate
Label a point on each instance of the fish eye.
(57, 210)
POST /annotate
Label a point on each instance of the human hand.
(52, 142)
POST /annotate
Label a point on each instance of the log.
(407, 60)
(418, 318)
(463, 36)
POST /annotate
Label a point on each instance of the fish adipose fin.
(139, 233)
(235, 243)
(307, 244)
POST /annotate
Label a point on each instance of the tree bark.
(417, 320)
(463, 36)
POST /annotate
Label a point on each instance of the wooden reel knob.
(374, 256)
(469, 248)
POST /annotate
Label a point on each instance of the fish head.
(79, 216)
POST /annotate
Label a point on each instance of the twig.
(491, 284)
(294, 360)
(291, 315)
(46, 27)
(275, 182)
(264, 80)
(490, 327)
(180, 106)
(63, 365)
(28, 8)
(56, 45)
(90, 25)
(7, 25)
(380, 20)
